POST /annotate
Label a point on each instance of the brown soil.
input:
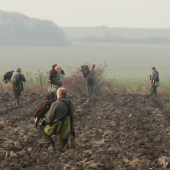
(112, 132)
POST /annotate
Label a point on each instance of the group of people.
(60, 117)
(19, 78)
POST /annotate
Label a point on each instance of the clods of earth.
(112, 132)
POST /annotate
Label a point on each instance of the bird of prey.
(8, 76)
(43, 107)
(85, 70)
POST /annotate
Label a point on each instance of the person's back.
(18, 77)
(18, 80)
(91, 75)
(59, 121)
(155, 76)
(60, 106)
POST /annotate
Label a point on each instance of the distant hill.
(17, 29)
(117, 35)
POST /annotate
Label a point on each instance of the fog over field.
(129, 51)
(73, 33)
(125, 61)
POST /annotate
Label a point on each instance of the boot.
(71, 142)
(18, 102)
(51, 147)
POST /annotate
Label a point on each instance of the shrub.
(76, 84)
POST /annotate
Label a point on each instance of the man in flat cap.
(154, 79)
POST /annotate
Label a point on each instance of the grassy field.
(125, 61)
(77, 33)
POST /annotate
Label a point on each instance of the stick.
(148, 84)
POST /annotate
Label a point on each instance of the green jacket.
(18, 78)
(58, 110)
(155, 76)
(53, 119)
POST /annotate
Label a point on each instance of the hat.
(153, 68)
(18, 70)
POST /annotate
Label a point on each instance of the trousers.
(90, 86)
(153, 91)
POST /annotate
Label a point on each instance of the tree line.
(17, 29)
(116, 39)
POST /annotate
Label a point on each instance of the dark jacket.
(155, 76)
(18, 78)
(91, 75)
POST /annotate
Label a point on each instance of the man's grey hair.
(62, 91)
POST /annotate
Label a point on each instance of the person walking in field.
(56, 80)
(60, 74)
(17, 82)
(60, 121)
(90, 80)
(154, 79)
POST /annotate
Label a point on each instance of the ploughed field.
(112, 132)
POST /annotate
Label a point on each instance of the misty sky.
(91, 13)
